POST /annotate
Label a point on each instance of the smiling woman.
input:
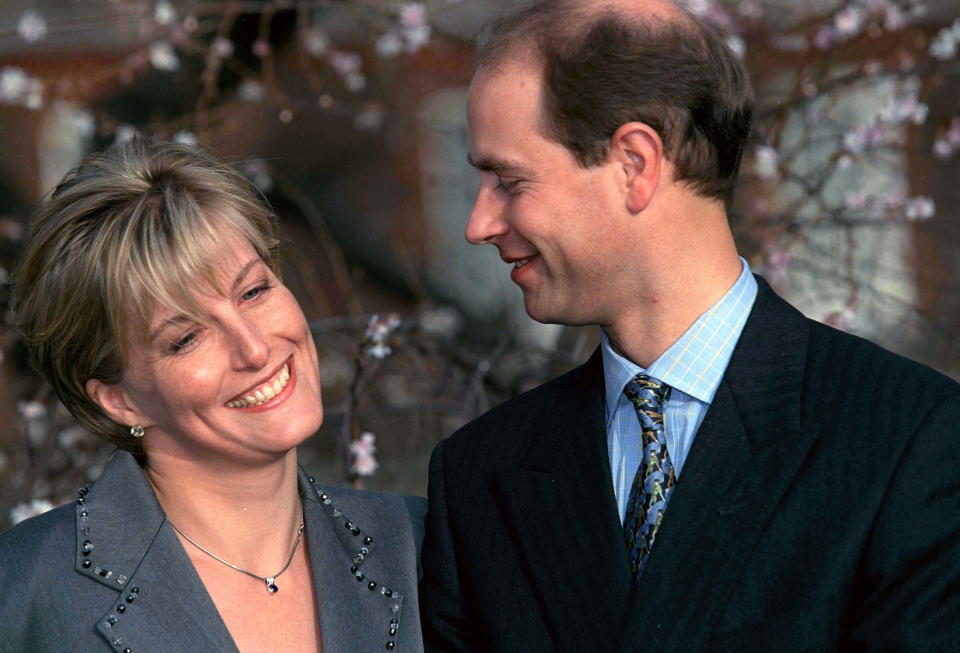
(149, 295)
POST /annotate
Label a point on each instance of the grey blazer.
(108, 572)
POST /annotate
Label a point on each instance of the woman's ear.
(638, 150)
(114, 401)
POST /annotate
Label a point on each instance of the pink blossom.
(363, 450)
(919, 208)
(413, 14)
(842, 319)
(221, 47)
(261, 48)
(346, 63)
(942, 148)
(824, 37)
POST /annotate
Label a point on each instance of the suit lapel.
(345, 561)
(748, 449)
(125, 543)
(564, 517)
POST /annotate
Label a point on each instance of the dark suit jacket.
(819, 509)
(140, 591)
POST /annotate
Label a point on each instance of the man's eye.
(508, 186)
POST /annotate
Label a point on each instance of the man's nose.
(486, 221)
(251, 349)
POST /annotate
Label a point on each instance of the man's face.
(560, 226)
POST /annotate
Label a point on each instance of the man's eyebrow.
(180, 319)
(494, 164)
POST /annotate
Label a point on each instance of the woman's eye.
(182, 343)
(253, 293)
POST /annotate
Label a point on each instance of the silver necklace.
(269, 581)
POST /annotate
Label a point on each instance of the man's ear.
(638, 151)
(114, 401)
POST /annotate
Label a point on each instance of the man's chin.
(546, 313)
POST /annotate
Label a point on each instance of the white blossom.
(251, 90)
(28, 509)
(919, 208)
(185, 136)
(164, 13)
(389, 44)
(163, 57)
(944, 46)
(849, 21)
(257, 171)
(370, 119)
(31, 410)
(76, 120)
(440, 321)
(32, 26)
(416, 36)
(738, 45)
(766, 162)
(14, 84)
(315, 42)
(355, 82)
(124, 133)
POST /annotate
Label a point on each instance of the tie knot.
(647, 390)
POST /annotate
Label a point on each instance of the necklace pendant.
(271, 585)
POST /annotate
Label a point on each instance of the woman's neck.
(246, 514)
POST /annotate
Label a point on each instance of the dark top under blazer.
(819, 509)
(140, 591)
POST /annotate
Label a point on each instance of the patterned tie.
(655, 478)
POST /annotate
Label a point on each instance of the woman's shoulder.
(52, 532)
(379, 505)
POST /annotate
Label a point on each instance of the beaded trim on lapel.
(364, 544)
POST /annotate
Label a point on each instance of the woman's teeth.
(520, 263)
(264, 392)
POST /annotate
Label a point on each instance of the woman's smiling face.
(243, 385)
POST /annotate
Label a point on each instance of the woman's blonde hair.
(139, 225)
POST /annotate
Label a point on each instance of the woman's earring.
(136, 431)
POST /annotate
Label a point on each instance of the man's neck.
(668, 308)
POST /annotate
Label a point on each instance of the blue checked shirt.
(692, 367)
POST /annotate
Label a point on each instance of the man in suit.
(723, 473)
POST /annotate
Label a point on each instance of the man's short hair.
(604, 67)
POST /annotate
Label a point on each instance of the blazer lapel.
(125, 543)
(360, 607)
(561, 507)
(750, 446)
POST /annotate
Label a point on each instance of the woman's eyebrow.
(180, 319)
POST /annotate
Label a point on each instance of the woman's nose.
(251, 349)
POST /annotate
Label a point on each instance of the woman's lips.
(268, 394)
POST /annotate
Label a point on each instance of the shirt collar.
(695, 363)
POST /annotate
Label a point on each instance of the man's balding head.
(605, 63)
